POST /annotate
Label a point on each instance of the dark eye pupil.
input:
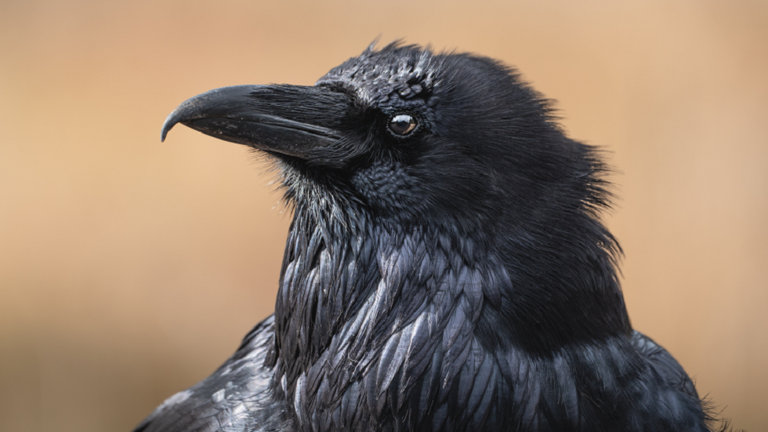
(402, 124)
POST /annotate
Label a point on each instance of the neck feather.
(350, 282)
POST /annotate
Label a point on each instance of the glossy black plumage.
(446, 275)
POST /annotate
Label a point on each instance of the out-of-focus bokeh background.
(130, 269)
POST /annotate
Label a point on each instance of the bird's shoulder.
(237, 396)
(662, 363)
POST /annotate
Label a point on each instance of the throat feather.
(351, 290)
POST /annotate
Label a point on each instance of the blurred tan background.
(130, 269)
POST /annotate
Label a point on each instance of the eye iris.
(402, 124)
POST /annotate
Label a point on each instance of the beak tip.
(169, 123)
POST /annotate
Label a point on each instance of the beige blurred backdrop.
(130, 269)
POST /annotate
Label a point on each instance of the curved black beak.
(292, 120)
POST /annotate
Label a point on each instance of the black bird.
(445, 270)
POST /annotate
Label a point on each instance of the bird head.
(407, 134)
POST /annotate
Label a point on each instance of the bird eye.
(402, 124)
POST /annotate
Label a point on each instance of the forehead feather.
(389, 77)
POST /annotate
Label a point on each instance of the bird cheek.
(387, 186)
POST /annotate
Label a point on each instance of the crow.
(446, 268)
